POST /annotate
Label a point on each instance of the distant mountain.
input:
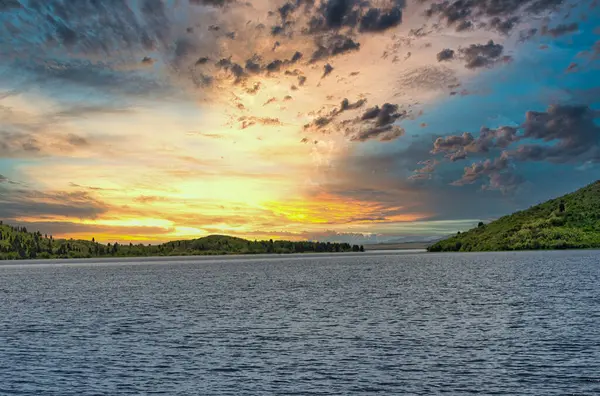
(19, 243)
(568, 222)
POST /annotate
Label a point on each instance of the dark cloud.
(381, 133)
(502, 15)
(481, 55)
(504, 26)
(458, 146)
(384, 115)
(147, 61)
(560, 30)
(346, 105)
(333, 46)
(336, 14)
(452, 143)
(377, 20)
(327, 69)
(445, 55)
(274, 66)
(325, 120)
(235, 69)
(101, 27)
(333, 14)
(202, 61)
(252, 65)
(103, 40)
(572, 129)
(464, 25)
(377, 123)
(22, 202)
(565, 134)
(296, 57)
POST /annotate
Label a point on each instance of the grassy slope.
(541, 227)
(18, 243)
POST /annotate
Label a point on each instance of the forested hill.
(19, 243)
(568, 222)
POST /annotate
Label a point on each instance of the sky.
(335, 120)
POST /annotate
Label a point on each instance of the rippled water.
(508, 323)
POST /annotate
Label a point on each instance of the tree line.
(19, 243)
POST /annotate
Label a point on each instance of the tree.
(480, 224)
(561, 207)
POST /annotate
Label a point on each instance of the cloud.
(333, 45)
(481, 55)
(76, 140)
(504, 26)
(560, 30)
(501, 15)
(387, 114)
(428, 78)
(457, 146)
(573, 67)
(573, 130)
(26, 203)
(445, 55)
(377, 123)
(346, 105)
(325, 120)
(381, 133)
(499, 174)
(376, 20)
(146, 60)
(366, 17)
(505, 182)
(528, 34)
(248, 121)
(427, 168)
(564, 134)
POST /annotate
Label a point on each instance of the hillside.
(568, 222)
(19, 243)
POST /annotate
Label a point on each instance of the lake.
(389, 323)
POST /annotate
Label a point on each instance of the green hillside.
(568, 222)
(19, 243)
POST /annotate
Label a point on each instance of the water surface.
(501, 323)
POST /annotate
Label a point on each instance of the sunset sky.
(339, 120)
